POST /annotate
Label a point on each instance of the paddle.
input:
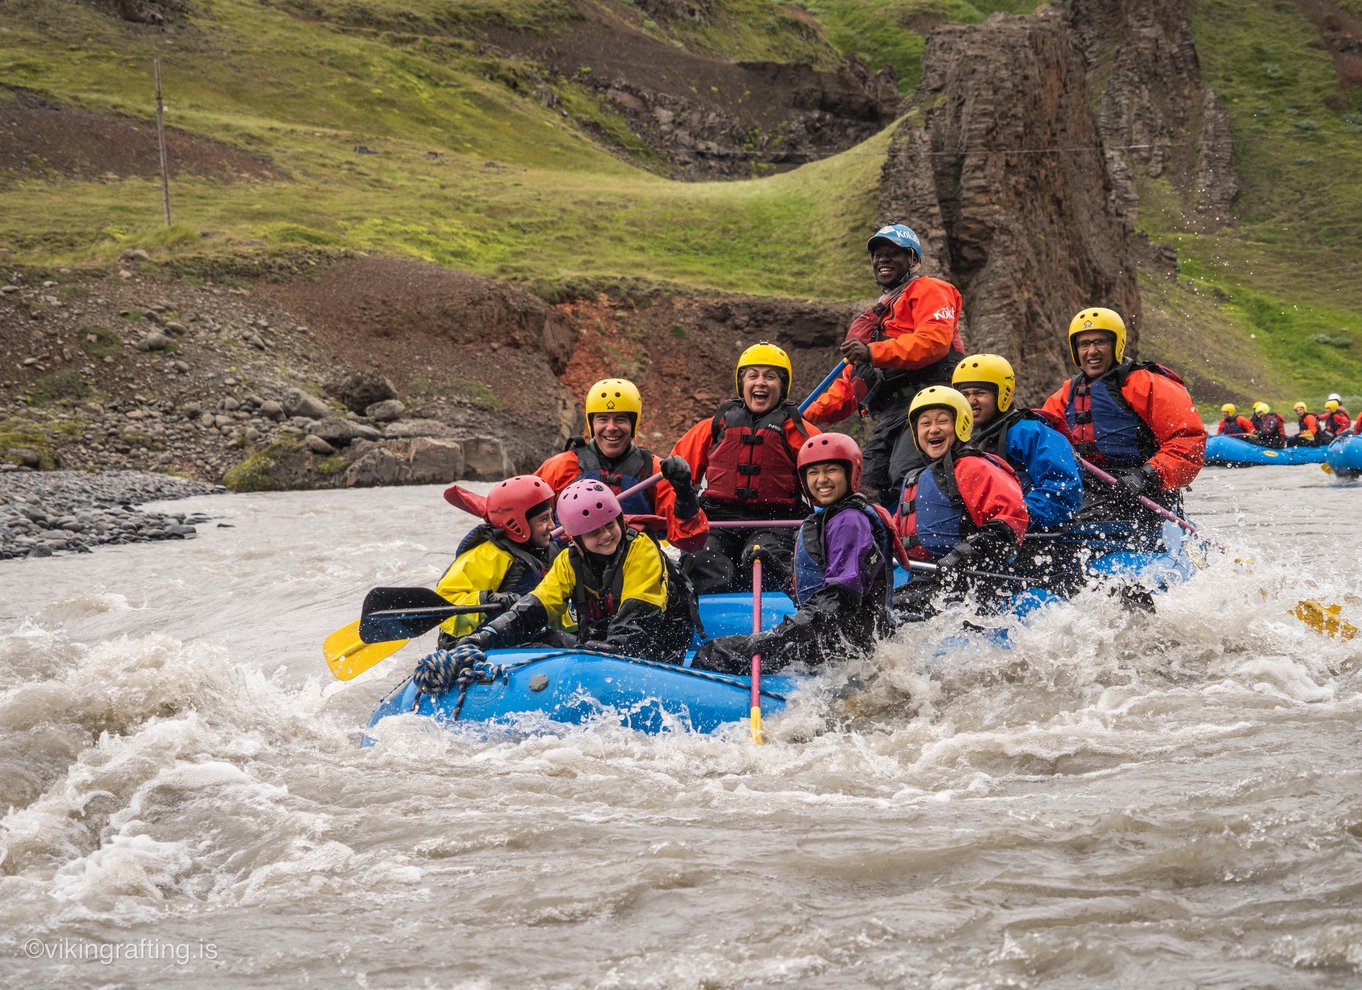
(1148, 503)
(404, 613)
(1322, 618)
(348, 653)
(348, 656)
(926, 568)
(757, 736)
(822, 386)
(754, 523)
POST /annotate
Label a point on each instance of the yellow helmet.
(613, 395)
(1261, 407)
(1300, 407)
(1097, 318)
(1331, 405)
(988, 369)
(769, 355)
(1229, 409)
(942, 397)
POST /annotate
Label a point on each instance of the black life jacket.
(595, 606)
(751, 464)
(628, 471)
(528, 565)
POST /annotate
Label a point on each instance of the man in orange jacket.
(608, 454)
(906, 342)
(1135, 419)
(1307, 428)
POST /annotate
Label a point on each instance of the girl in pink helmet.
(504, 557)
(625, 593)
(843, 562)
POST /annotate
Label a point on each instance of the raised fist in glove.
(676, 470)
(752, 552)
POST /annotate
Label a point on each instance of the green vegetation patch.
(892, 32)
(65, 386)
(256, 472)
(101, 343)
(21, 434)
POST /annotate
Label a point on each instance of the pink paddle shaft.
(756, 628)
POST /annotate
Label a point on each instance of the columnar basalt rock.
(1157, 117)
(1006, 180)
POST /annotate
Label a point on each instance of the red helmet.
(510, 504)
(831, 447)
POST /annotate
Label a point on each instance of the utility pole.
(161, 140)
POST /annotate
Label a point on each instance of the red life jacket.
(751, 464)
(1336, 422)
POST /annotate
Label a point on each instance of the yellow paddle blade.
(349, 656)
(1324, 619)
(1324, 466)
(757, 736)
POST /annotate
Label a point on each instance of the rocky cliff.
(1157, 118)
(1007, 179)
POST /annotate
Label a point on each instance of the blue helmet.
(898, 234)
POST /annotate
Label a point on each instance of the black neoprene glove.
(676, 470)
(1142, 480)
(503, 600)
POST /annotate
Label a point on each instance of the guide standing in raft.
(909, 340)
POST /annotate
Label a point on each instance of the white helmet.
(1335, 397)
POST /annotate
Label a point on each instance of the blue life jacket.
(1230, 427)
(1101, 421)
(931, 495)
(627, 472)
(811, 551)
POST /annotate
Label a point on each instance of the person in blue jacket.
(1043, 458)
(843, 563)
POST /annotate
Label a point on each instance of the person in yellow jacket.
(625, 593)
(501, 559)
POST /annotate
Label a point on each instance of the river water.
(1120, 800)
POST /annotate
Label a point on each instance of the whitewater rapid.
(1118, 800)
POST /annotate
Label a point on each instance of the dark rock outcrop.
(692, 114)
(1006, 180)
(1157, 118)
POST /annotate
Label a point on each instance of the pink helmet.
(585, 506)
(510, 504)
(824, 447)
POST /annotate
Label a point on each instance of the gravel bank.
(45, 512)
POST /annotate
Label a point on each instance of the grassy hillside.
(471, 172)
(1286, 280)
(475, 171)
(891, 32)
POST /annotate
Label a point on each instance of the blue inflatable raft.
(575, 686)
(1233, 452)
(1344, 456)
